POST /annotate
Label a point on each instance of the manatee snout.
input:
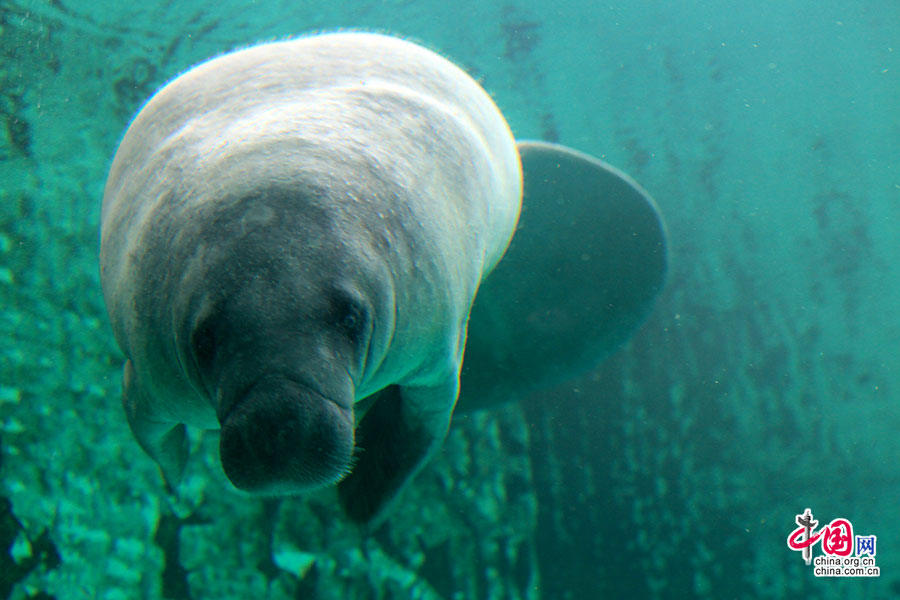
(283, 437)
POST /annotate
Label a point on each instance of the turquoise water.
(763, 383)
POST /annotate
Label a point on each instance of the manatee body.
(292, 237)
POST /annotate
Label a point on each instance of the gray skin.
(292, 237)
(586, 264)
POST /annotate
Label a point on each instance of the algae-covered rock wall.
(763, 383)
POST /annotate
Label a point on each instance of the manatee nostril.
(282, 438)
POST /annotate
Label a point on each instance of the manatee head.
(279, 302)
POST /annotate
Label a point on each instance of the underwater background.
(764, 382)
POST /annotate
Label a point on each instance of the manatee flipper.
(163, 442)
(394, 439)
(583, 269)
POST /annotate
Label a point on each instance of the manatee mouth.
(283, 437)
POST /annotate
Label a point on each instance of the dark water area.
(764, 381)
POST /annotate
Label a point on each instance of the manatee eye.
(351, 321)
(350, 315)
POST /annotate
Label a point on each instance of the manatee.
(587, 262)
(292, 236)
